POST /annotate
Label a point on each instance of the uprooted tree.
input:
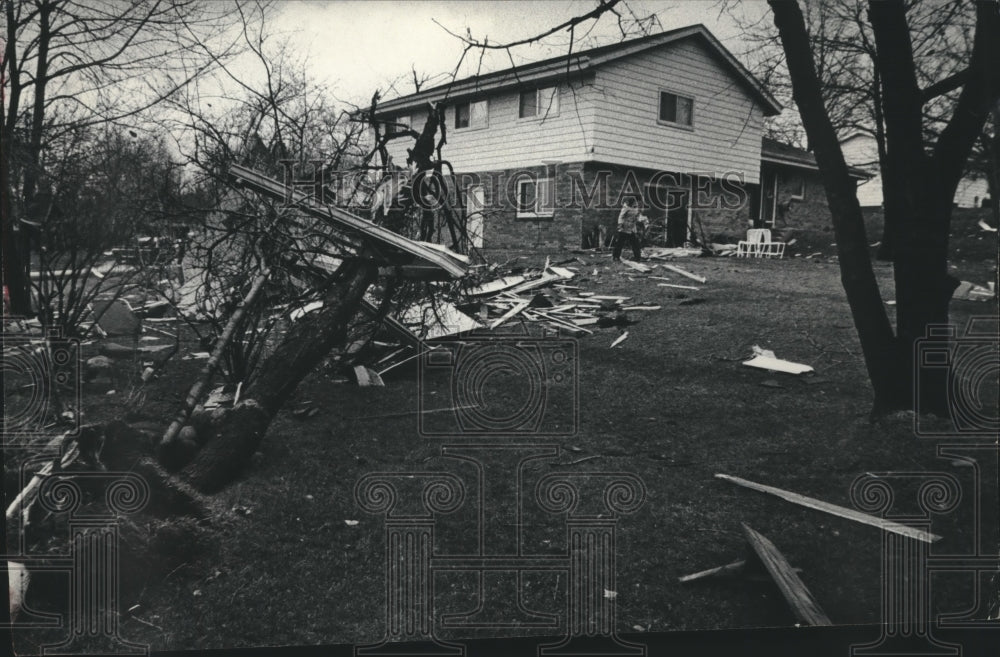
(919, 184)
(261, 259)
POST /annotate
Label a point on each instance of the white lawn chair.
(769, 248)
(758, 244)
(751, 246)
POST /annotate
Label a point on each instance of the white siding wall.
(510, 142)
(971, 192)
(861, 151)
(727, 120)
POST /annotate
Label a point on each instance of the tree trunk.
(306, 344)
(856, 274)
(15, 277)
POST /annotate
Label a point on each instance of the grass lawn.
(280, 564)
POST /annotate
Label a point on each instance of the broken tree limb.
(833, 509)
(798, 597)
(26, 497)
(310, 339)
(208, 371)
(683, 272)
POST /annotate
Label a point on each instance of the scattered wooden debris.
(517, 308)
(766, 360)
(620, 339)
(637, 266)
(367, 377)
(684, 272)
(833, 509)
(967, 291)
(803, 605)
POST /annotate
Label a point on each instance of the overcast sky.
(360, 45)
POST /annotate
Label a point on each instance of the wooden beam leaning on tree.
(311, 338)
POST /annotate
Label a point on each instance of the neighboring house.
(861, 151)
(546, 152)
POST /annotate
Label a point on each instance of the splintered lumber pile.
(545, 298)
(496, 300)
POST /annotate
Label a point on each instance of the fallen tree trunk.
(311, 338)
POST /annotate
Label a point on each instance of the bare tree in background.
(843, 44)
(920, 182)
(70, 64)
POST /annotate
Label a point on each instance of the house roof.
(775, 152)
(577, 64)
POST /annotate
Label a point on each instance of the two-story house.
(546, 152)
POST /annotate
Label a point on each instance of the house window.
(471, 115)
(676, 110)
(538, 102)
(534, 198)
(798, 188)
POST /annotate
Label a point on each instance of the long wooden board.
(833, 509)
(803, 604)
(734, 567)
(684, 272)
(431, 257)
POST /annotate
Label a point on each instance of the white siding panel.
(970, 192)
(727, 121)
(510, 142)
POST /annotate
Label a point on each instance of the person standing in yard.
(629, 221)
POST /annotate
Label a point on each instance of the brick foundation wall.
(590, 195)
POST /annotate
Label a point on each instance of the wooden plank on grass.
(734, 568)
(636, 266)
(681, 287)
(684, 272)
(833, 509)
(798, 597)
(729, 568)
(620, 339)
